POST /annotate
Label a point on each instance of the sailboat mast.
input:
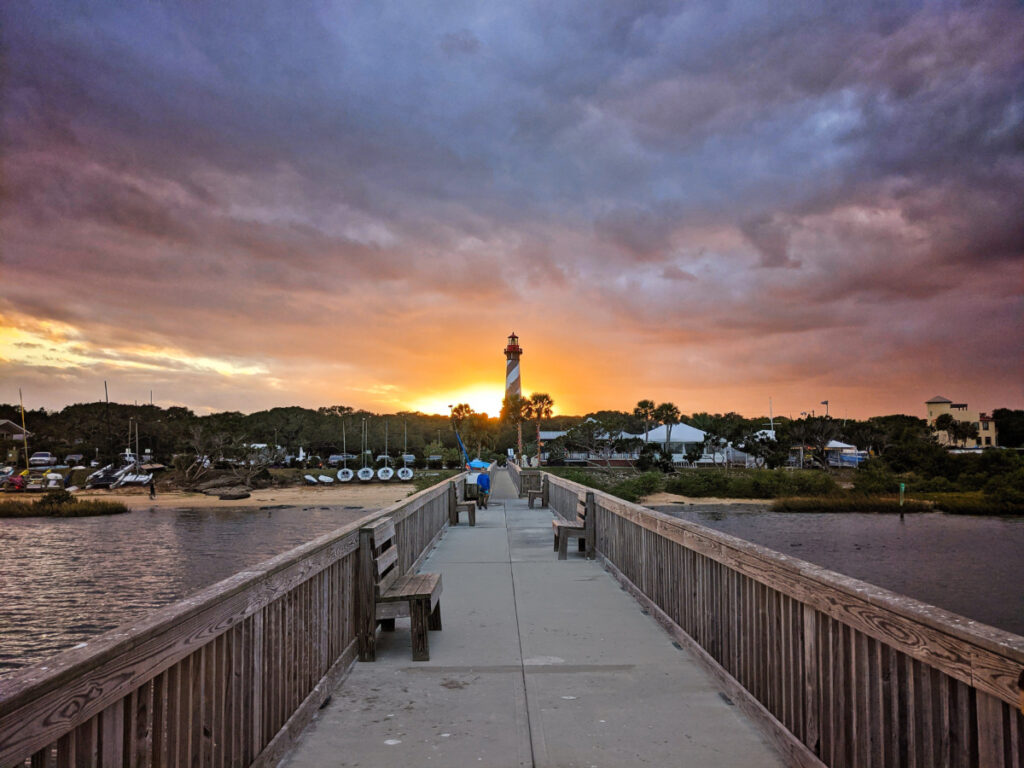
(24, 432)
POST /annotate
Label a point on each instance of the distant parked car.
(42, 459)
(73, 458)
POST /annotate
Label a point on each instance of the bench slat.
(386, 559)
(417, 585)
(385, 582)
(383, 531)
(577, 526)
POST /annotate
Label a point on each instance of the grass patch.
(60, 504)
(976, 503)
(427, 478)
(852, 503)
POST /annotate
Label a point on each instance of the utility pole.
(110, 438)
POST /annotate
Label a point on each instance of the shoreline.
(369, 497)
(664, 499)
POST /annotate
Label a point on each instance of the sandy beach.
(371, 496)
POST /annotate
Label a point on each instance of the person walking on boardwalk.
(483, 489)
(152, 488)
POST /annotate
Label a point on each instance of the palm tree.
(667, 414)
(513, 411)
(645, 410)
(460, 413)
(539, 407)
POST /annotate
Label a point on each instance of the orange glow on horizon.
(481, 397)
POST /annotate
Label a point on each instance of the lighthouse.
(513, 384)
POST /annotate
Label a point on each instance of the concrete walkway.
(540, 663)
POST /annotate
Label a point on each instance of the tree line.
(101, 430)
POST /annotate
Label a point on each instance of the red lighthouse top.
(513, 347)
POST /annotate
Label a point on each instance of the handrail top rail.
(25, 684)
(977, 633)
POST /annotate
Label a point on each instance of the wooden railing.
(524, 479)
(839, 672)
(227, 677)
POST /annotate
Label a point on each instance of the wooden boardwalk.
(540, 663)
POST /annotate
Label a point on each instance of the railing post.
(591, 526)
(453, 518)
(366, 615)
(545, 491)
(257, 681)
(810, 623)
(990, 731)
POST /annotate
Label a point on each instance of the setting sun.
(482, 398)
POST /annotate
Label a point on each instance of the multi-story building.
(984, 422)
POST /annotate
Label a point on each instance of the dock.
(541, 663)
(663, 643)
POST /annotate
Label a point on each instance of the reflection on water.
(973, 566)
(65, 581)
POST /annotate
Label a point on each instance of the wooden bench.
(385, 594)
(539, 495)
(469, 507)
(582, 529)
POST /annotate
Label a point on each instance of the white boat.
(365, 474)
(345, 474)
(325, 479)
(405, 472)
(133, 477)
(385, 473)
(310, 479)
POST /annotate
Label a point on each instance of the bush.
(635, 488)
(1007, 490)
(753, 484)
(874, 477)
(56, 498)
(698, 483)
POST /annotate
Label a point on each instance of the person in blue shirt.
(483, 489)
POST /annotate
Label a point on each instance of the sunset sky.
(237, 205)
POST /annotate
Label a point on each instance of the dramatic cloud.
(238, 206)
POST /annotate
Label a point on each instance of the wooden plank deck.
(541, 663)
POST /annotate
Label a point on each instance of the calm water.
(65, 581)
(973, 566)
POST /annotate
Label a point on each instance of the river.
(63, 581)
(973, 566)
